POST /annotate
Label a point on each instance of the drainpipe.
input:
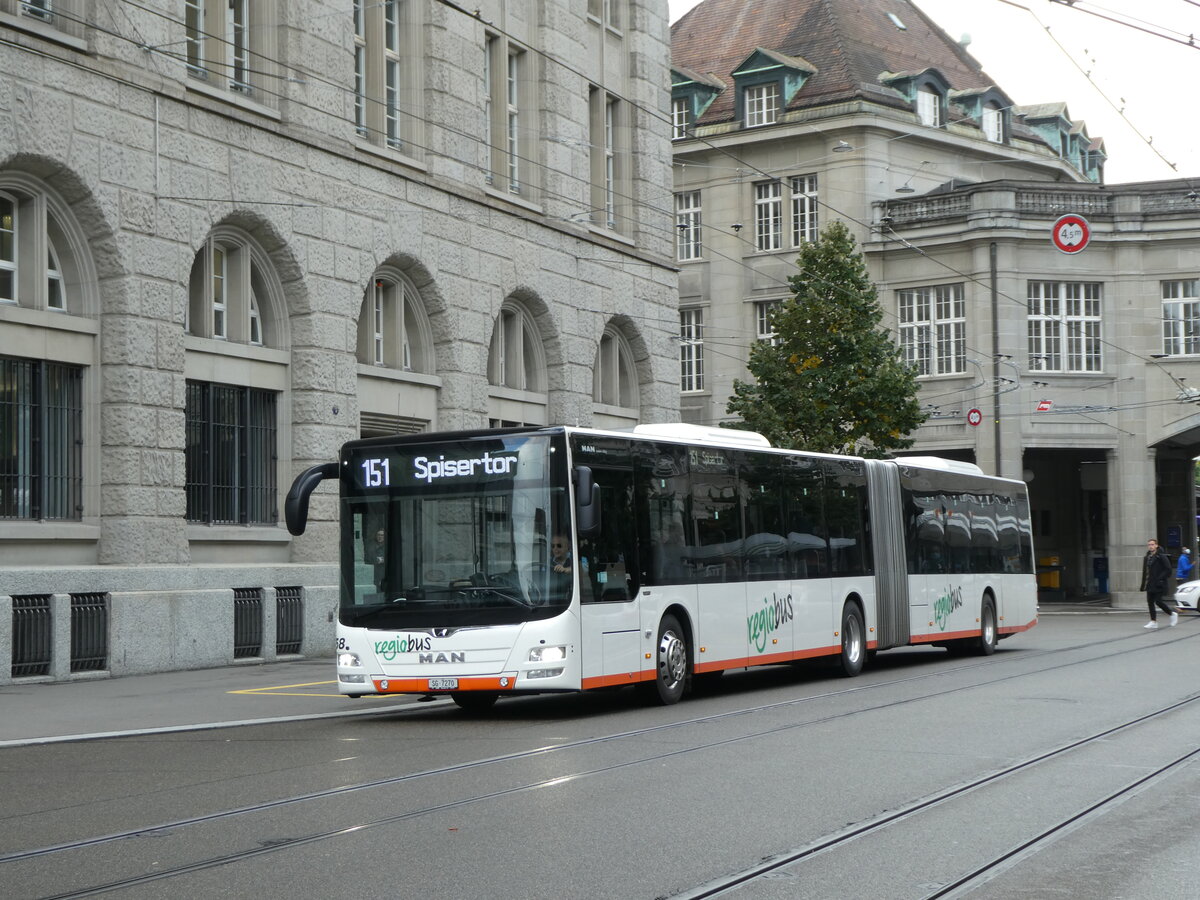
(995, 358)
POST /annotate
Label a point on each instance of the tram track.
(275, 845)
(959, 886)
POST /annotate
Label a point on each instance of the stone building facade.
(234, 235)
(1076, 366)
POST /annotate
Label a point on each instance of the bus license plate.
(443, 684)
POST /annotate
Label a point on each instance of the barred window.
(768, 215)
(933, 329)
(691, 350)
(230, 455)
(804, 209)
(41, 453)
(687, 224)
(1064, 326)
(762, 102)
(1181, 317)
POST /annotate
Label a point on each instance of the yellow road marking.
(282, 690)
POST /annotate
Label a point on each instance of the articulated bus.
(689, 551)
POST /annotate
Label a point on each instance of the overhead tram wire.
(550, 58)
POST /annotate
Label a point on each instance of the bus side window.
(610, 574)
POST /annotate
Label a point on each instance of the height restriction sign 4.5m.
(1071, 233)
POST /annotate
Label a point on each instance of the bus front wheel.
(854, 644)
(671, 662)
(985, 645)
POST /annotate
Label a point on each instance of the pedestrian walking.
(1156, 576)
(1183, 571)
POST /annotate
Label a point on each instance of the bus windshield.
(455, 534)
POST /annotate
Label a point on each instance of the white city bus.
(692, 551)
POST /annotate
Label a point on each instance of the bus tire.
(854, 642)
(474, 701)
(985, 644)
(670, 661)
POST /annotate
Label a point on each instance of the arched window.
(515, 360)
(32, 272)
(393, 329)
(516, 369)
(236, 384)
(614, 378)
(47, 391)
(228, 292)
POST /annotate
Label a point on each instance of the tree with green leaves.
(832, 380)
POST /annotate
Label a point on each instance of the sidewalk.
(40, 712)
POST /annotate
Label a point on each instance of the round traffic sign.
(974, 417)
(1071, 233)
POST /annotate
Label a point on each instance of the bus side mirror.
(295, 507)
(587, 502)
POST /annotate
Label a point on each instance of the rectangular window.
(610, 174)
(761, 102)
(391, 65)
(929, 108)
(768, 216)
(1064, 326)
(513, 121)
(360, 69)
(680, 118)
(1181, 317)
(804, 209)
(687, 224)
(193, 29)
(230, 455)
(220, 281)
(691, 350)
(41, 454)
(933, 329)
(8, 250)
(236, 22)
(764, 327)
(993, 125)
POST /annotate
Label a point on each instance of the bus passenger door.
(608, 581)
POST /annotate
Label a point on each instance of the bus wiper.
(513, 595)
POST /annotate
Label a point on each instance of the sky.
(1131, 88)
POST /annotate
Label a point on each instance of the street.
(1064, 765)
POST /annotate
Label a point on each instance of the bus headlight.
(547, 654)
(350, 660)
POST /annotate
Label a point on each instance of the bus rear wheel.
(854, 643)
(671, 662)
(474, 701)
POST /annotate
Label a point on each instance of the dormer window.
(680, 118)
(992, 121)
(929, 107)
(762, 101)
(767, 81)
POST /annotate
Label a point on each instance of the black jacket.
(1156, 571)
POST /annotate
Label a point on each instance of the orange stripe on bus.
(421, 685)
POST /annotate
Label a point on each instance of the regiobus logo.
(427, 470)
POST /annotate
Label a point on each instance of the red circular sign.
(974, 417)
(1071, 233)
